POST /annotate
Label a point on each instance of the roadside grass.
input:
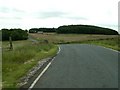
(112, 43)
(24, 56)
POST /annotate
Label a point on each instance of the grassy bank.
(112, 43)
(24, 56)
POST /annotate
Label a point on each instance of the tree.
(16, 34)
(5, 34)
(85, 29)
(33, 30)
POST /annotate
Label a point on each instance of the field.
(110, 41)
(17, 62)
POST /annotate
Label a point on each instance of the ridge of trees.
(85, 29)
(19, 34)
(76, 29)
(36, 30)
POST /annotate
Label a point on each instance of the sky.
(28, 14)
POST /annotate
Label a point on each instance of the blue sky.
(28, 14)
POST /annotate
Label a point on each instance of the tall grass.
(109, 43)
(24, 56)
(70, 38)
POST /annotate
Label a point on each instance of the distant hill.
(85, 29)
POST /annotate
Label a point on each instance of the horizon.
(26, 14)
(57, 27)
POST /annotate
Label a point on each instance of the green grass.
(25, 55)
(112, 43)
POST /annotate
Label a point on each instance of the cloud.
(11, 14)
(4, 10)
(58, 14)
(77, 18)
(10, 18)
(50, 14)
(9, 10)
(38, 13)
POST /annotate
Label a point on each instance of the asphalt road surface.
(81, 66)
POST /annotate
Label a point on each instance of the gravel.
(24, 80)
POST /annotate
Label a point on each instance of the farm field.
(110, 41)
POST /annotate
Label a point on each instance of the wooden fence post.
(10, 41)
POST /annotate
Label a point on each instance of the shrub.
(16, 34)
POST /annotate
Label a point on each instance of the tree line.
(85, 29)
(36, 30)
(15, 34)
(19, 34)
(76, 29)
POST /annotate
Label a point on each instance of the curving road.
(81, 66)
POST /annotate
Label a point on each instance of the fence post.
(10, 41)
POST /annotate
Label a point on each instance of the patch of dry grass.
(110, 41)
(64, 38)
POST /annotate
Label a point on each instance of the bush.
(36, 30)
(16, 34)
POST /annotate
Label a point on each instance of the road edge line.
(104, 47)
(110, 49)
(45, 69)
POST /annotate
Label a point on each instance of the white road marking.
(32, 85)
(59, 50)
(105, 47)
(109, 49)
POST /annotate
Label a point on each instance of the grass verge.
(112, 43)
(25, 55)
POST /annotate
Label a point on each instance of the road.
(81, 66)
